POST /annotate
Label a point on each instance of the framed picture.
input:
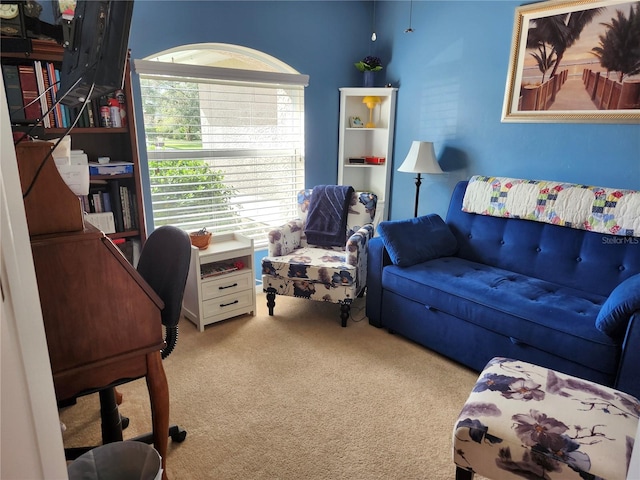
(574, 61)
(356, 122)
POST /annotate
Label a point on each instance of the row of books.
(113, 197)
(33, 88)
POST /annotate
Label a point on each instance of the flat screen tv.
(97, 51)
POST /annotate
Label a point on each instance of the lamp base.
(418, 183)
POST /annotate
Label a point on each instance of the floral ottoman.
(526, 421)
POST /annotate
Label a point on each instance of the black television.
(97, 51)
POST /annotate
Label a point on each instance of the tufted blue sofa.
(558, 297)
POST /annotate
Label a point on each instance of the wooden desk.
(102, 321)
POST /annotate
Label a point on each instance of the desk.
(101, 319)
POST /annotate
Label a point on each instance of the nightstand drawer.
(228, 303)
(226, 285)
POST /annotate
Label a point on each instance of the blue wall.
(451, 73)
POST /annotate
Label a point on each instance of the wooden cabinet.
(221, 281)
(120, 144)
(365, 152)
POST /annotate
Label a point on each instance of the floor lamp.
(420, 159)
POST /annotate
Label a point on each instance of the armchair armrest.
(356, 252)
(285, 239)
(357, 244)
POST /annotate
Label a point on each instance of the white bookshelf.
(361, 142)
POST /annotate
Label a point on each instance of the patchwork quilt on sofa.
(599, 209)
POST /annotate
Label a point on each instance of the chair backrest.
(362, 210)
(164, 264)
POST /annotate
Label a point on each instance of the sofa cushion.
(417, 240)
(615, 313)
(550, 317)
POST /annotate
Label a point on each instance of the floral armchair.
(330, 274)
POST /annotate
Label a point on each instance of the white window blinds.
(225, 146)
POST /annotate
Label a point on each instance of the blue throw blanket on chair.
(327, 218)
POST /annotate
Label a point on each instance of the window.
(225, 145)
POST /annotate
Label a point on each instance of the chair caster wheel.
(124, 421)
(179, 436)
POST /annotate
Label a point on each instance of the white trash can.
(118, 461)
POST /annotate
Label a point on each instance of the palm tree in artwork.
(546, 60)
(619, 49)
(560, 31)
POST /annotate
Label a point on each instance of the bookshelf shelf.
(111, 177)
(120, 144)
(131, 233)
(88, 131)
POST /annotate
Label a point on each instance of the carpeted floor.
(296, 396)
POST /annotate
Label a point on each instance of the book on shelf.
(38, 81)
(116, 204)
(29, 85)
(14, 92)
(126, 209)
(102, 221)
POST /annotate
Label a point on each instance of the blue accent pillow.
(615, 313)
(417, 240)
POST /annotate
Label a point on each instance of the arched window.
(224, 128)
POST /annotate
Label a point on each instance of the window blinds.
(225, 152)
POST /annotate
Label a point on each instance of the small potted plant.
(368, 65)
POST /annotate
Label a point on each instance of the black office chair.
(164, 265)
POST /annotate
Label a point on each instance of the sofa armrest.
(377, 259)
(285, 239)
(623, 302)
(628, 379)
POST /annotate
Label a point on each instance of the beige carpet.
(296, 396)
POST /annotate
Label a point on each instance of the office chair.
(164, 264)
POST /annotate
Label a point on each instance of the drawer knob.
(228, 286)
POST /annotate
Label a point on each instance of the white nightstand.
(211, 296)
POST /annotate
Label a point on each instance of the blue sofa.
(479, 286)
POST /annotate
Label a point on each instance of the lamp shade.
(371, 101)
(421, 159)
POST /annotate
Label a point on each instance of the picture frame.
(576, 80)
(356, 122)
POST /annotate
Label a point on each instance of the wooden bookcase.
(120, 144)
